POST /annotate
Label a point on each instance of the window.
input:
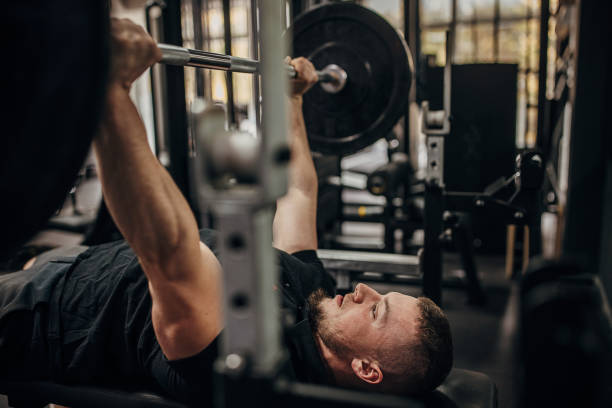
(391, 10)
(435, 12)
(475, 9)
(433, 42)
(213, 40)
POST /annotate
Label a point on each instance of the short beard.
(320, 324)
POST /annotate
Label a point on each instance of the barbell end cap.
(332, 78)
(173, 55)
(291, 71)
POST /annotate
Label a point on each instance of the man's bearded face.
(321, 323)
(363, 322)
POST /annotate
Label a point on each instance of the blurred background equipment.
(55, 82)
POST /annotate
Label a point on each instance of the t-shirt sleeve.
(313, 275)
(190, 379)
(308, 256)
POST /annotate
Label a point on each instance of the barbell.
(332, 75)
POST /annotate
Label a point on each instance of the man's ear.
(368, 371)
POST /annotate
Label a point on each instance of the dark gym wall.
(481, 145)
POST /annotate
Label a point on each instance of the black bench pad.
(462, 389)
(40, 393)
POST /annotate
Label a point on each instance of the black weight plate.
(53, 78)
(379, 69)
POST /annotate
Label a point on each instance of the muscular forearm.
(296, 213)
(184, 276)
(145, 203)
(302, 174)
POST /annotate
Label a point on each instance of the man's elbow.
(306, 184)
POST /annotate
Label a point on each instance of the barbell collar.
(173, 55)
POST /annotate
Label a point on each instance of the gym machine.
(512, 200)
(250, 367)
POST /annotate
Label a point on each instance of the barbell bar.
(332, 77)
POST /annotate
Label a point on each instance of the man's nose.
(363, 292)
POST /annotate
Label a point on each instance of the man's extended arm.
(295, 221)
(151, 212)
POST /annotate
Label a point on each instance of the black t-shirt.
(88, 321)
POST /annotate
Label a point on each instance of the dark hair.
(435, 344)
(420, 364)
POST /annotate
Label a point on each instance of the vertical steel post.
(243, 214)
(542, 138)
(434, 183)
(496, 19)
(254, 25)
(158, 85)
(229, 80)
(198, 41)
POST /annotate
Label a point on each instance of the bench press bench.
(349, 266)
(462, 389)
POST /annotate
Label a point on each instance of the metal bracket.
(435, 160)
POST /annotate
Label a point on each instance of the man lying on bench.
(148, 312)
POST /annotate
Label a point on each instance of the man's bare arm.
(295, 221)
(151, 212)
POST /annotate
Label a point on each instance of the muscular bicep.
(295, 222)
(187, 308)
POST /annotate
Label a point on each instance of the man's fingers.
(306, 75)
(304, 69)
(133, 51)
